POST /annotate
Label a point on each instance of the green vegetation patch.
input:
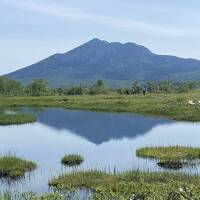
(14, 167)
(33, 196)
(173, 106)
(72, 160)
(169, 153)
(16, 119)
(132, 185)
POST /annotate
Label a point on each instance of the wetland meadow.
(80, 147)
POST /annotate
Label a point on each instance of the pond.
(107, 141)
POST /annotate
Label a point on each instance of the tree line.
(163, 86)
(40, 87)
(37, 87)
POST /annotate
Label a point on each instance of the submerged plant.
(171, 164)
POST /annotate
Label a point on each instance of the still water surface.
(107, 141)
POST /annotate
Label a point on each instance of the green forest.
(40, 87)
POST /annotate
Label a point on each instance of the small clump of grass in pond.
(169, 153)
(14, 167)
(16, 119)
(72, 160)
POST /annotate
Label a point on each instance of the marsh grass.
(169, 153)
(94, 178)
(6, 196)
(127, 191)
(132, 184)
(72, 160)
(14, 167)
(173, 106)
(32, 196)
(16, 119)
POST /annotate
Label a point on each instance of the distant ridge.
(116, 63)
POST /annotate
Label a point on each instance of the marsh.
(106, 140)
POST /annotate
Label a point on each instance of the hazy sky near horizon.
(31, 30)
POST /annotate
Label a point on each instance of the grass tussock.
(173, 106)
(132, 185)
(16, 119)
(72, 160)
(14, 167)
(169, 153)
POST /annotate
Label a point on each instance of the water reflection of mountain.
(99, 127)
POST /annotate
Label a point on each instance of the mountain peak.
(103, 43)
(96, 42)
(116, 63)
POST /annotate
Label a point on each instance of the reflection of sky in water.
(105, 140)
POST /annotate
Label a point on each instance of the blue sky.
(31, 30)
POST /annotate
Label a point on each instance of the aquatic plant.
(72, 160)
(16, 119)
(130, 191)
(132, 185)
(55, 195)
(143, 191)
(169, 153)
(14, 167)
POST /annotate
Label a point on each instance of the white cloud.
(53, 9)
(146, 28)
(62, 11)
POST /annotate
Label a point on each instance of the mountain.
(116, 63)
